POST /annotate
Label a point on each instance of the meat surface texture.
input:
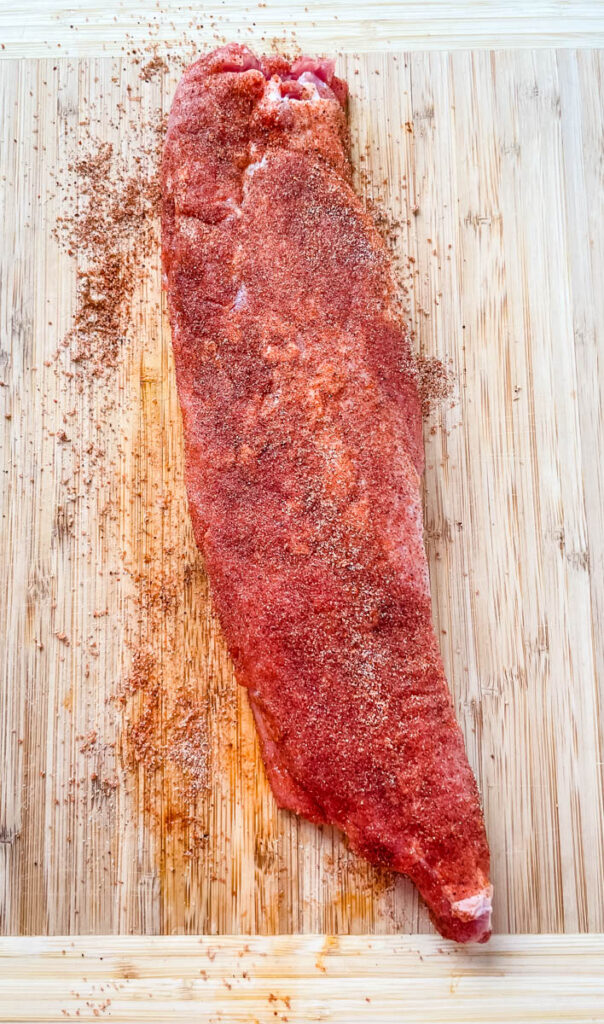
(303, 439)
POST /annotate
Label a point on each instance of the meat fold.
(303, 440)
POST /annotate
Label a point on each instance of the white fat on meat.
(274, 97)
(474, 907)
(240, 300)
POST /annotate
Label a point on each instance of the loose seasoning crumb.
(156, 66)
(436, 383)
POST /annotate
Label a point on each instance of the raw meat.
(303, 459)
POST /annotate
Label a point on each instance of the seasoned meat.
(302, 427)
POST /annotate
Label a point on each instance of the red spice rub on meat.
(304, 453)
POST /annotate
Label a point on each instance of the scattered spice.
(156, 66)
(165, 725)
(110, 225)
(436, 382)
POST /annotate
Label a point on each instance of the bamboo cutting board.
(301, 979)
(489, 167)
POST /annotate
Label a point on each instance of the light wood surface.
(301, 979)
(88, 27)
(499, 158)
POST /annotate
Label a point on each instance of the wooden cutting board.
(490, 166)
(418, 979)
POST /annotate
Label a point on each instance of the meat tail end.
(467, 920)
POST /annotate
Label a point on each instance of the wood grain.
(498, 155)
(302, 979)
(85, 28)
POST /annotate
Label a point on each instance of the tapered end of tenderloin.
(467, 920)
